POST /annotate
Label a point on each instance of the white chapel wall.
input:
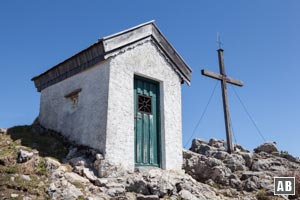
(84, 122)
(147, 61)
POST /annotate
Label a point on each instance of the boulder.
(203, 168)
(220, 174)
(251, 184)
(269, 164)
(239, 148)
(107, 170)
(3, 130)
(146, 197)
(79, 161)
(248, 157)
(73, 178)
(221, 155)
(249, 174)
(137, 185)
(52, 188)
(24, 156)
(71, 193)
(25, 177)
(14, 196)
(101, 182)
(115, 191)
(51, 164)
(217, 143)
(235, 182)
(267, 147)
(186, 195)
(89, 174)
(235, 162)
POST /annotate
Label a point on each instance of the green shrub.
(261, 195)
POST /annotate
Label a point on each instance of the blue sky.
(261, 42)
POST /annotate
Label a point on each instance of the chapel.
(121, 96)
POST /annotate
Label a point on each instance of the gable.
(104, 48)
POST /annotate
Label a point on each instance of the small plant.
(262, 195)
(41, 168)
(284, 153)
(78, 184)
(11, 169)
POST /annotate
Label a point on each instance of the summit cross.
(224, 80)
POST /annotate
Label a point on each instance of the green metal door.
(146, 122)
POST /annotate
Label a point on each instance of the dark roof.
(100, 50)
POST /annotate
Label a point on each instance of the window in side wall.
(73, 97)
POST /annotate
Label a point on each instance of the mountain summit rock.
(56, 168)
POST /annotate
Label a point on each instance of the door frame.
(158, 117)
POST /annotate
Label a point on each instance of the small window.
(73, 97)
(144, 104)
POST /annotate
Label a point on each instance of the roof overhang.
(102, 50)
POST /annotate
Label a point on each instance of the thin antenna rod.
(219, 42)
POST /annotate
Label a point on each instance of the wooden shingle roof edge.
(101, 50)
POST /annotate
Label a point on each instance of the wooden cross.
(224, 79)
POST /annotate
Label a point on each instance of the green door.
(146, 122)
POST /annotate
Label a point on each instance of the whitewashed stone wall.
(144, 60)
(86, 122)
(104, 116)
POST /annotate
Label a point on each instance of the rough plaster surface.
(147, 61)
(104, 116)
(86, 122)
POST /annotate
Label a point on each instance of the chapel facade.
(122, 96)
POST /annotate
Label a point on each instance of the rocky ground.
(240, 173)
(40, 164)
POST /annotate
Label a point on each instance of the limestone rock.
(79, 161)
(24, 156)
(51, 164)
(235, 162)
(270, 164)
(3, 130)
(101, 182)
(89, 174)
(71, 193)
(186, 195)
(52, 187)
(250, 184)
(14, 195)
(220, 174)
(210, 173)
(198, 146)
(137, 185)
(220, 155)
(235, 182)
(203, 168)
(25, 177)
(107, 170)
(248, 157)
(289, 157)
(113, 192)
(147, 197)
(72, 178)
(217, 143)
(267, 147)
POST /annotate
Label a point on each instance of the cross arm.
(221, 77)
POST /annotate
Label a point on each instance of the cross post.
(224, 80)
